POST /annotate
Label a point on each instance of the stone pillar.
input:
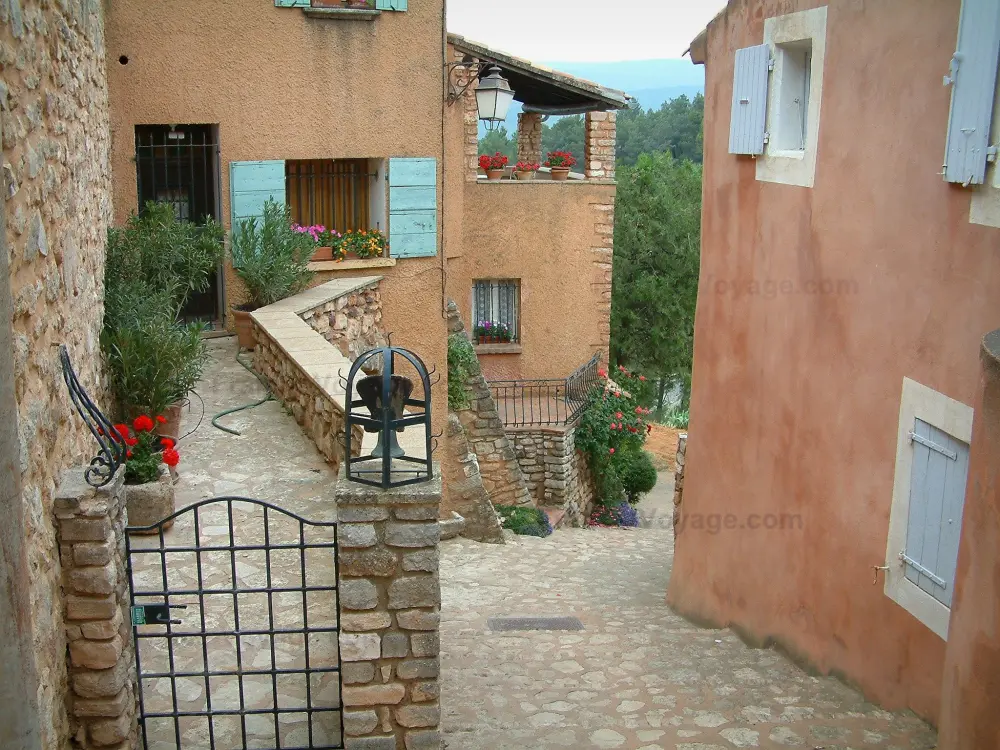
(679, 478)
(529, 137)
(90, 528)
(603, 269)
(389, 599)
(599, 145)
(969, 719)
(470, 121)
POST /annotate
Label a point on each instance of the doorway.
(179, 165)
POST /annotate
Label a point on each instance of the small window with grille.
(334, 193)
(496, 307)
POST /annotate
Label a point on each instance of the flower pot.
(482, 339)
(322, 253)
(150, 503)
(244, 329)
(560, 173)
(528, 174)
(494, 174)
(172, 427)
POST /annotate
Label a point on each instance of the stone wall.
(556, 474)
(466, 494)
(54, 115)
(352, 323)
(603, 257)
(90, 527)
(679, 478)
(389, 598)
(599, 144)
(529, 137)
(498, 466)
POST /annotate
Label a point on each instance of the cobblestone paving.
(638, 676)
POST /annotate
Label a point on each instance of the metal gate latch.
(155, 614)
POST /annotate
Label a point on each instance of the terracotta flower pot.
(560, 173)
(172, 427)
(482, 339)
(494, 174)
(527, 174)
(244, 329)
(322, 253)
(151, 502)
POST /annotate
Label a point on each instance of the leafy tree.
(499, 140)
(657, 241)
(565, 134)
(676, 128)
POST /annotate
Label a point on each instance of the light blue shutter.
(746, 125)
(937, 496)
(390, 4)
(251, 183)
(973, 79)
(293, 3)
(413, 230)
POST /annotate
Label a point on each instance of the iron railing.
(546, 402)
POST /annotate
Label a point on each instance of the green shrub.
(270, 257)
(637, 474)
(462, 364)
(677, 419)
(525, 521)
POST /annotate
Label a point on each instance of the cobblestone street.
(638, 676)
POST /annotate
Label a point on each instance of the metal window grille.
(498, 301)
(334, 193)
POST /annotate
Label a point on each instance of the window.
(932, 465)
(794, 66)
(335, 193)
(497, 301)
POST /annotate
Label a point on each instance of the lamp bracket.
(473, 68)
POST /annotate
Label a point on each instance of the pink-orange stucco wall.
(969, 716)
(796, 394)
(281, 85)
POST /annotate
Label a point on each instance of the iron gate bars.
(111, 454)
(551, 402)
(236, 640)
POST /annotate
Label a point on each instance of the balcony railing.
(547, 402)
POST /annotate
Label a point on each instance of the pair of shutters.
(938, 477)
(412, 200)
(973, 79)
(379, 4)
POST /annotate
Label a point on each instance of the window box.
(498, 348)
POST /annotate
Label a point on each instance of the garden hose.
(268, 397)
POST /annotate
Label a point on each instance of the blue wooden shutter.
(251, 183)
(746, 125)
(390, 4)
(293, 3)
(937, 496)
(973, 79)
(412, 208)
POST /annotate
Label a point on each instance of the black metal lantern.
(387, 397)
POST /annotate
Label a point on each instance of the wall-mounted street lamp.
(493, 95)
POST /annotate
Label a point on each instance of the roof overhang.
(540, 89)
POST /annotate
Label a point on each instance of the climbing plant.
(462, 365)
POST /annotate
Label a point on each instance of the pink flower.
(611, 451)
(619, 415)
(602, 373)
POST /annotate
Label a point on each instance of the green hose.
(268, 397)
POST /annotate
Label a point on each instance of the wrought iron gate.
(235, 617)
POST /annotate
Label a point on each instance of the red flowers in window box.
(560, 160)
(493, 165)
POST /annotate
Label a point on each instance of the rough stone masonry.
(389, 597)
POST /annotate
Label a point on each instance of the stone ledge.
(351, 265)
(354, 493)
(343, 14)
(497, 348)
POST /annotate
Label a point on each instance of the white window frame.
(495, 303)
(793, 166)
(955, 418)
(985, 205)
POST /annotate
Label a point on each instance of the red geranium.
(171, 457)
(167, 442)
(560, 160)
(161, 419)
(497, 161)
(142, 423)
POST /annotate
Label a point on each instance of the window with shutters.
(932, 465)
(792, 122)
(495, 310)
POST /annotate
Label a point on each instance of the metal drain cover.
(504, 624)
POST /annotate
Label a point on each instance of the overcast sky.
(583, 30)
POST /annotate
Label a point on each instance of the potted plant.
(364, 244)
(525, 170)
(149, 462)
(272, 261)
(559, 163)
(327, 241)
(494, 166)
(504, 333)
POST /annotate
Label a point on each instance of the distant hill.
(652, 82)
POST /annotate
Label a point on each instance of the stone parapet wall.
(57, 208)
(556, 473)
(90, 527)
(466, 494)
(600, 132)
(351, 322)
(529, 137)
(602, 274)
(389, 597)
